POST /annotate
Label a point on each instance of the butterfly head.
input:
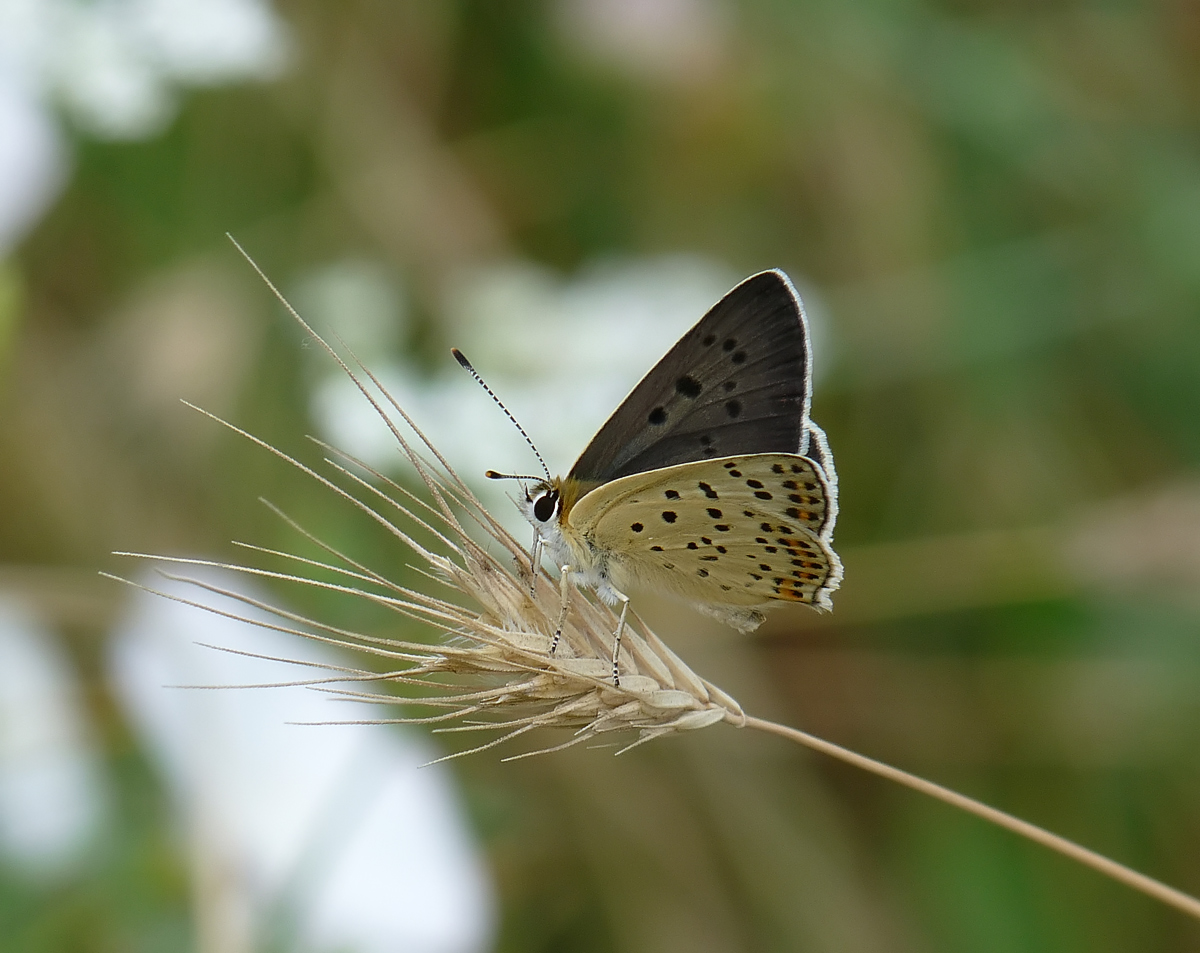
(542, 504)
(547, 505)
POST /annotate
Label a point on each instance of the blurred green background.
(997, 208)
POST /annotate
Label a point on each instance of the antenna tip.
(461, 358)
(493, 475)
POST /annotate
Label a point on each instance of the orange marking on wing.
(789, 591)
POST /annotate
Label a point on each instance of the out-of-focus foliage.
(997, 207)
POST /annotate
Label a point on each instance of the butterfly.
(709, 481)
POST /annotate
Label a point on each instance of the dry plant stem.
(502, 663)
(1089, 858)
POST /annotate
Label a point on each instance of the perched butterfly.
(709, 481)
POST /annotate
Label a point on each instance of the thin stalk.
(1089, 858)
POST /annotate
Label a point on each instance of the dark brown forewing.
(738, 382)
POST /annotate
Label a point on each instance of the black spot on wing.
(688, 386)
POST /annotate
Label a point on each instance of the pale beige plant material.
(493, 665)
(492, 669)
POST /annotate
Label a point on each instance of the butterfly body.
(709, 481)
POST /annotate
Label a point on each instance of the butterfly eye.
(545, 506)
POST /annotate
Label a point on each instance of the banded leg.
(564, 589)
(617, 636)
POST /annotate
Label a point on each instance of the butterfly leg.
(617, 637)
(564, 588)
(535, 562)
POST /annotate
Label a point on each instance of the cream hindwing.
(738, 530)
